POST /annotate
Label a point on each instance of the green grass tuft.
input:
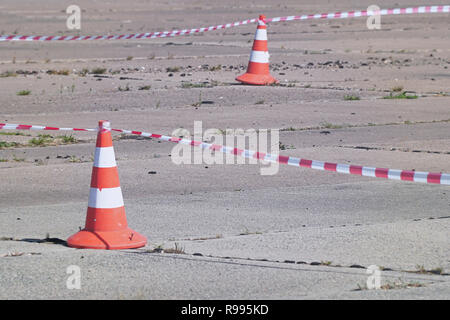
(24, 93)
(8, 74)
(329, 125)
(173, 69)
(64, 72)
(402, 95)
(351, 98)
(4, 144)
(67, 139)
(41, 140)
(98, 71)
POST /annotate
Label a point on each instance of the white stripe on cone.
(106, 125)
(106, 198)
(261, 34)
(259, 56)
(104, 157)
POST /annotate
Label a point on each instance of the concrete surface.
(299, 234)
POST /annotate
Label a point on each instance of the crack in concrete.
(329, 264)
(345, 126)
(394, 149)
(438, 276)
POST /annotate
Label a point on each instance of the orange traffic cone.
(106, 222)
(258, 66)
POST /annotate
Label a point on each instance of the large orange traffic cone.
(106, 222)
(258, 66)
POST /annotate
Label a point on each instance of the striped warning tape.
(393, 174)
(33, 127)
(366, 13)
(150, 35)
(173, 33)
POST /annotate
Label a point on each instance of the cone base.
(107, 240)
(256, 79)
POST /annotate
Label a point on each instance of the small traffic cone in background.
(106, 222)
(258, 66)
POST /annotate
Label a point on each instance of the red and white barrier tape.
(365, 13)
(415, 176)
(150, 35)
(393, 174)
(33, 127)
(173, 33)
